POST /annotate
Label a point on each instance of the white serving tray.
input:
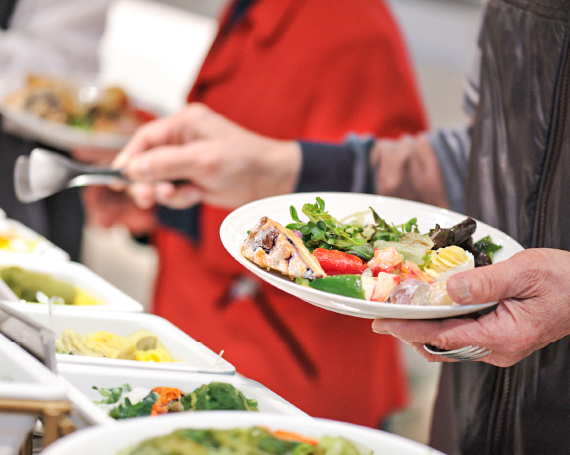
(22, 378)
(42, 246)
(83, 378)
(194, 356)
(112, 299)
(110, 440)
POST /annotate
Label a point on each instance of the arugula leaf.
(294, 215)
(141, 409)
(392, 233)
(324, 231)
(113, 394)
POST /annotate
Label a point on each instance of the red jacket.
(305, 69)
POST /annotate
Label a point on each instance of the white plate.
(51, 133)
(111, 298)
(109, 440)
(234, 231)
(194, 356)
(83, 378)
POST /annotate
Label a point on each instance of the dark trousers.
(59, 218)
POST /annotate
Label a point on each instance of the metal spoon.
(44, 173)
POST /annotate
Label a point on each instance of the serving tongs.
(44, 173)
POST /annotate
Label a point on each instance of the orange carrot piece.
(295, 437)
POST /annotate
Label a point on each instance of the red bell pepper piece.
(336, 262)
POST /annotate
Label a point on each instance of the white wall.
(154, 50)
(441, 37)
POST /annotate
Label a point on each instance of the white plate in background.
(234, 229)
(110, 297)
(83, 378)
(110, 440)
(193, 356)
(58, 135)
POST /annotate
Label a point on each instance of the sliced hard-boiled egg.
(448, 261)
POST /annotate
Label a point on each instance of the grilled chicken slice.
(272, 246)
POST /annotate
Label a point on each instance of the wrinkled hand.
(222, 163)
(534, 309)
(408, 168)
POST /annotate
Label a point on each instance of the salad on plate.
(377, 261)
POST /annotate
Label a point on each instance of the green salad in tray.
(376, 261)
(245, 441)
(125, 402)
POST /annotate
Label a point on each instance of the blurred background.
(440, 34)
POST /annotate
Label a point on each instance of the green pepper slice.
(347, 285)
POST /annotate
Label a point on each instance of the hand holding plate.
(533, 310)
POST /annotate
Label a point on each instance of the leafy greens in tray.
(376, 261)
(161, 400)
(245, 441)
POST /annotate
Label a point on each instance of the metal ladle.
(44, 173)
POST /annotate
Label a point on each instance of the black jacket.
(519, 182)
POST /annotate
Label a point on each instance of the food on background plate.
(255, 440)
(38, 287)
(377, 261)
(60, 101)
(125, 402)
(142, 345)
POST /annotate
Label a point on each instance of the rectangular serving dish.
(111, 298)
(22, 378)
(41, 246)
(194, 356)
(83, 378)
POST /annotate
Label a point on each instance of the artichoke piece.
(26, 284)
(144, 340)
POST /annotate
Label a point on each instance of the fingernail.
(462, 288)
(377, 327)
(119, 162)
